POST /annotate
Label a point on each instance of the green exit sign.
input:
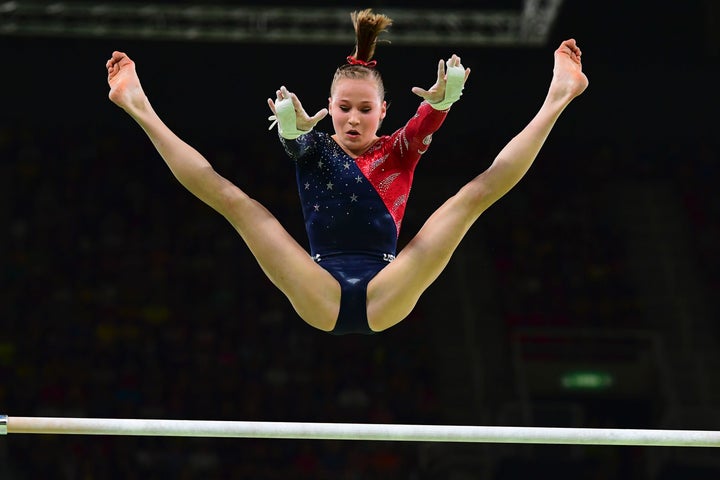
(586, 380)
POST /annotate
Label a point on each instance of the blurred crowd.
(123, 296)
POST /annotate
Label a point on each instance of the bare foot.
(568, 81)
(125, 89)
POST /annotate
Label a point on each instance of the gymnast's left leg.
(395, 290)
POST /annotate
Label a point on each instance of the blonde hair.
(368, 27)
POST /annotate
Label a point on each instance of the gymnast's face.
(357, 110)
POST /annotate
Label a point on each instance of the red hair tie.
(354, 61)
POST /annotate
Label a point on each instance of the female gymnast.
(354, 185)
(388, 290)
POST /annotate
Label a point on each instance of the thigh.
(313, 292)
(393, 293)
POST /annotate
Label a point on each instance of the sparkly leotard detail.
(357, 205)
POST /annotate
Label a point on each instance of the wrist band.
(286, 120)
(453, 87)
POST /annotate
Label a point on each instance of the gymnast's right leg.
(313, 292)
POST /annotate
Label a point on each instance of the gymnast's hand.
(447, 88)
(303, 122)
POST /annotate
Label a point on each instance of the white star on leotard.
(316, 207)
(358, 179)
(346, 165)
(329, 185)
(353, 198)
(307, 185)
(320, 163)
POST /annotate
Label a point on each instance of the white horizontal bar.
(359, 431)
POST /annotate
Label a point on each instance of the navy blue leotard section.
(353, 272)
(343, 212)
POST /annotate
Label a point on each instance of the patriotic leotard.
(353, 208)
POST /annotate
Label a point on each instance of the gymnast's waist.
(353, 254)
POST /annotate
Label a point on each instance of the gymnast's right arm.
(190, 168)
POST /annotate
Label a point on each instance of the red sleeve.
(412, 140)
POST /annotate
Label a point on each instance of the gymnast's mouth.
(352, 133)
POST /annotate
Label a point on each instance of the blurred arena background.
(585, 298)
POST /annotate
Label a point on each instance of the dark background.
(124, 296)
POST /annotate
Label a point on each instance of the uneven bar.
(357, 431)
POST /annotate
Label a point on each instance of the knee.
(474, 198)
(381, 317)
(318, 313)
